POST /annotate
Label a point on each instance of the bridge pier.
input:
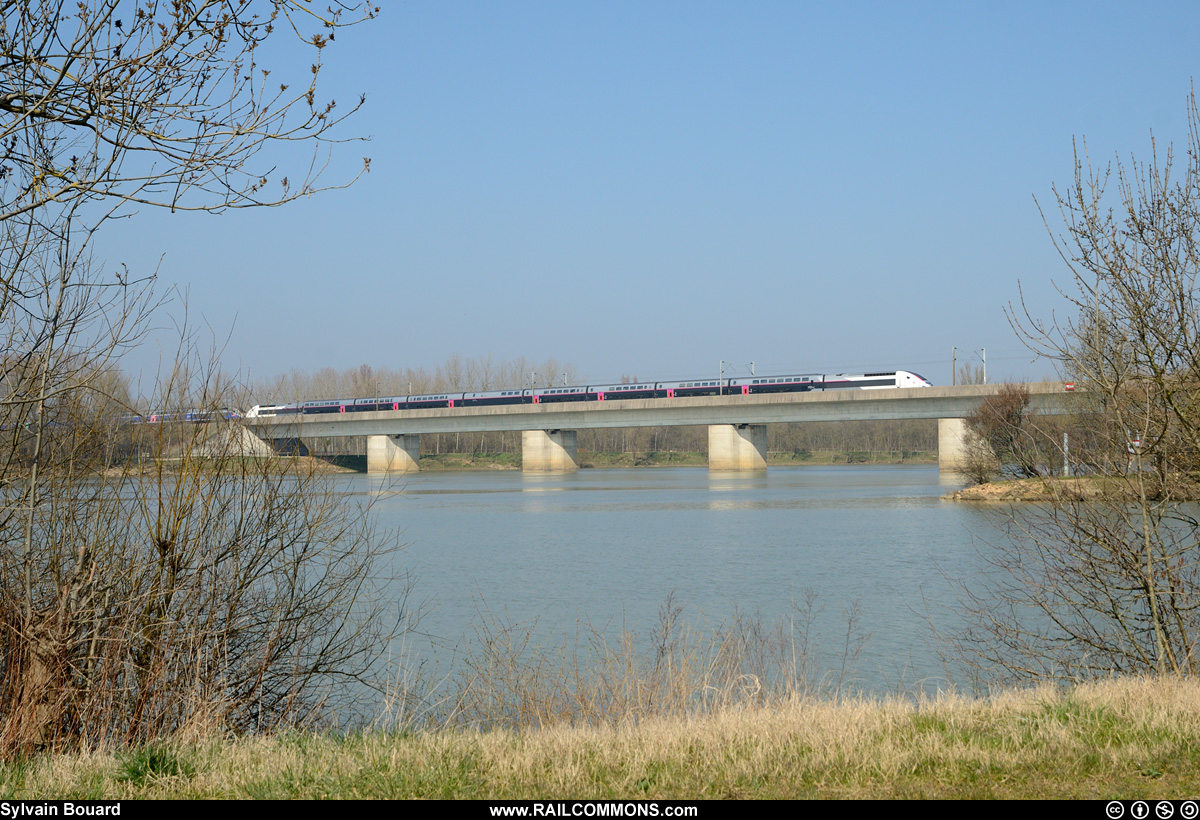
(549, 451)
(952, 450)
(393, 454)
(737, 447)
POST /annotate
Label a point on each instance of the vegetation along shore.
(1128, 738)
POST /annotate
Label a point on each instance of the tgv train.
(164, 416)
(752, 385)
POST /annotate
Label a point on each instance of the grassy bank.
(1117, 739)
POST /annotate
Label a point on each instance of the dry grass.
(1043, 489)
(1115, 488)
(1117, 739)
(504, 679)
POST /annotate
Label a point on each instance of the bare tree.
(1105, 577)
(145, 595)
(1003, 435)
(969, 373)
(188, 589)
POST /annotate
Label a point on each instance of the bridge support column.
(393, 454)
(549, 451)
(737, 446)
(952, 450)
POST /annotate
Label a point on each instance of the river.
(875, 548)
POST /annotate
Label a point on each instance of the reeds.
(504, 678)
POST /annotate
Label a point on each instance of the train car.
(860, 381)
(544, 395)
(817, 381)
(876, 381)
(378, 403)
(699, 387)
(776, 384)
(225, 413)
(905, 378)
(613, 392)
(436, 400)
(326, 406)
(268, 411)
(490, 398)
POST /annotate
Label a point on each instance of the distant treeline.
(460, 374)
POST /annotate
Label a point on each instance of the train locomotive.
(751, 385)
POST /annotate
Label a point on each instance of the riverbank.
(1070, 488)
(1025, 489)
(277, 465)
(1125, 739)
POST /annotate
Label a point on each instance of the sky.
(656, 188)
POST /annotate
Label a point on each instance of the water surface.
(604, 549)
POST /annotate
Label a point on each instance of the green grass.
(146, 764)
(1118, 739)
(469, 461)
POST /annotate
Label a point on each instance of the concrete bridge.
(737, 433)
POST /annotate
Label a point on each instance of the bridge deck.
(848, 405)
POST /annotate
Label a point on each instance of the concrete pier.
(737, 447)
(952, 449)
(549, 451)
(393, 454)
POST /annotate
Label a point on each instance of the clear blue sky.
(651, 188)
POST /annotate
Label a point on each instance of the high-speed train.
(752, 385)
(164, 416)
